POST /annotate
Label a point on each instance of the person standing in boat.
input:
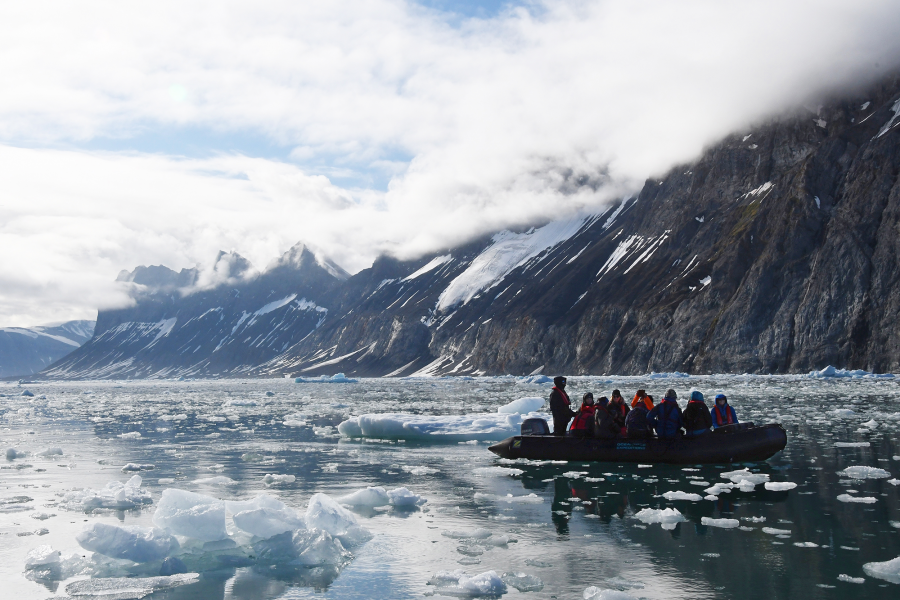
(583, 423)
(697, 419)
(619, 410)
(560, 406)
(722, 413)
(666, 418)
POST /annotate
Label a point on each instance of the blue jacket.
(666, 419)
(720, 417)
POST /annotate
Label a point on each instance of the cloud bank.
(397, 128)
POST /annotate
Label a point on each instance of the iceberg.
(667, 518)
(128, 587)
(191, 515)
(723, 523)
(267, 522)
(863, 472)
(326, 514)
(303, 548)
(137, 544)
(535, 379)
(439, 428)
(857, 499)
(832, 372)
(40, 557)
(402, 497)
(370, 497)
(337, 378)
(682, 496)
(780, 486)
(522, 405)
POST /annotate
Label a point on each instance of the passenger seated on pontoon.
(583, 423)
(722, 413)
(604, 420)
(697, 419)
(666, 417)
(636, 424)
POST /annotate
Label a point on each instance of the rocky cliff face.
(775, 252)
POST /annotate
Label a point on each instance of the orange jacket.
(647, 402)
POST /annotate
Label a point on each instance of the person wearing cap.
(697, 419)
(583, 423)
(666, 418)
(722, 413)
(560, 406)
(641, 397)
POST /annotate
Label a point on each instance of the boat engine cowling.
(535, 427)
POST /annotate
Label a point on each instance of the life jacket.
(669, 420)
(645, 401)
(722, 415)
(584, 419)
(565, 395)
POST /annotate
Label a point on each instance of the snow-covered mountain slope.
(27, 350)
(774, 252)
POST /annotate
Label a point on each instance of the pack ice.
(115, 495)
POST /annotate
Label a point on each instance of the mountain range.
(27, 350)
(774, 252)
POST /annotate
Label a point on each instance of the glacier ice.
(888, 570)
(522, 405)
(863, 472)
(337, 378)
(191, 515)
(371, 497)
(41, 556)
(115, 495)
(123, 588)
(138, 544)
(857, 499)
(723, 523)
(780, 486)
(402, 497)
(326, 514)
(302, 547)
(273, 479)
(458, 583)
(682, 496)
(523, 582)
(667, 517)
(267, 522)
(443, 428)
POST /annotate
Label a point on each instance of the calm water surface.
(581, 533)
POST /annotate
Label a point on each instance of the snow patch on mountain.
(432, 265)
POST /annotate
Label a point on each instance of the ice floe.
(337, 378)
(324, 513)
(863, 472)
(595, 593)
(274, 479)
(723, 523)
(667, 518)
(128, 587)
(833, 372)
(496, 471)
(848, 579)
(780, 486)
(440, 428)
(458, 583)
(40, 556)
(509, 498)
(372, 497)
(852, 444)
(888, 570)
(523, 582)
(682, 496)
(857, 499)
(115, 495)
(191, 515)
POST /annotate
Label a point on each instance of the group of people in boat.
(613, 417)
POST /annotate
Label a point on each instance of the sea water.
(476, 524)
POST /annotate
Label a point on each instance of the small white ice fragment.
(780, 486)
(40, 556)
(847, 579)
(863, 472)
(723, 523)
(773, 531)
(682, 496)
(888, 570)
(858, 499)
(806, 545)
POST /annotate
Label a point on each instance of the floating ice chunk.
(336, 378)
(682, 496)
(240, 402)
(806, 545)
(295, 423)
(402, 497)
(419, 470)
(491, 471)
(178, 417)
(755, 519)
(862, 472)
(780, 486)
(523, 582)
(458, 583)
(191, 515)
(371, 496)
(719, 488)
(131, 435)
(115, 495)
(723, 523)
(271, 479)
(138, 544)
(830, 371)
(668, 517)
(738, 477)
(852, 444)
(441, 428)
(303, 547)
(217, 480)
(595, 593)
(773, 531)
(535, 379)
(509, 498)
(847, 579)
(894, 481)
(326, 514)
(12, 454)
(267, 522)
(842, 412)
(41, 556)
(122, 588)
(858, 499)
(132, 467)
(521, 406)
(261, 501)
(888, 570)
(50, 452)
(465, 534)
(871, 424)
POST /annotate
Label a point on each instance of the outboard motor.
(535, 427)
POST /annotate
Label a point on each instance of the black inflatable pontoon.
(740, 443)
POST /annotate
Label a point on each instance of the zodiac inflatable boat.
(733, 443)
